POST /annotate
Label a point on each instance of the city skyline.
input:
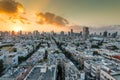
(57, 15)
(59, 40)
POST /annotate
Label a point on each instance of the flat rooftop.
(107, 65)
(42, 73)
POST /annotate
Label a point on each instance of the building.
(72, 73)
(11, 59)
(13, 33)
(42, 72)
(72, 32)
(80, 33)
(20, 33)
(85, 32)
(62, 33)
(105, 34)
(114, 35)
(68, 33)
(100, 68)
(36, 33)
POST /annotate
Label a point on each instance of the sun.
(17, 28)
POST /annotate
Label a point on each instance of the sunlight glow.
(17, 28)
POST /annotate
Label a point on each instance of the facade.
(101, 69)
(71, 72)
(105, 34)
(72, 32)
(85, 32)
(11, 59)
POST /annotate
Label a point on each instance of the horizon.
(92, 31)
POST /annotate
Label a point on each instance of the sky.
(57, 15)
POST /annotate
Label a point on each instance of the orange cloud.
(20, 18)
(10, 7)
(13, 10)
(50, 18)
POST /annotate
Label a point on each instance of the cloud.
(76, 28)
(11, 7)
(14, 19)
(52, 19)
(13, 10)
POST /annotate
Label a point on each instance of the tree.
(94, 46)
(95, 53)
(114, 47)
(46, 54)
(14, 50)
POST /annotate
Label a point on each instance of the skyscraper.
(85, 32)
(72, 32)
(20, 33)
(36, 33)
(80, 33)
(62, 33)
(105, 34)
(114, 35)
(68, 33)
(13, 33)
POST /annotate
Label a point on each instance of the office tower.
(114, 35)
(52, 33)
(0, 33)
(36, 33)
(20, 32)
(13, 33)
(109, 34)
(62, 33)
(100, 34)
(105, 34)
(68, 33)
(72, 32)
(80, 33)
(85, 32)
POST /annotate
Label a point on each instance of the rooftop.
(42, 73)
(107, 65)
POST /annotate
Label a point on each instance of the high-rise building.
(20, 32)
(100, 34)
(68, 33)
(109, 34)
(62, 33)
(6, 33)
(0, 33)
(80, 33)
(36, 33)
(85, 32)
(105, 34)
(72, 32)
(114, 35)
(52, 33)
(13, 33)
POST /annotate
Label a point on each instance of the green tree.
(95, 53)
(46, 54)
(94, 46)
